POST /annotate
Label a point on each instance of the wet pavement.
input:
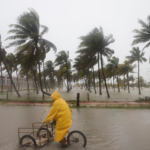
(105, 129)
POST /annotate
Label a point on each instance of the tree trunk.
(118, 83)
(41, 81)
(27, 82)
(104, 77)
(48, 85)
(40, 74)
(124, 82)
(51, 79)
(67, 77)
(138, 78)
(1, 79)
(89, 81)
(35, 83)
(128, 83)
(44, 77)
(10, 77)
(17, 79)
(94, 80)
(113, 84)
(99, 76)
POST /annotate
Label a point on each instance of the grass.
(144, 99)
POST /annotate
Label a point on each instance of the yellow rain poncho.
(61, 112)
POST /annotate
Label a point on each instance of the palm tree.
(1, 76)
(49, 69)
(126, 68)
(2, 57)
(114, 66)
(10, 62)
(143, 35)
(137, 55)
(95, 43)
(34, 72)
(141, 80)
(62, 60)
(86, 61)
(28, 39)
(131, 78)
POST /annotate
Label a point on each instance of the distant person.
(61, 113)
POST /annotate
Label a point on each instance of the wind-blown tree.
(1, 66)
(29, 40)
(1, 77)
(10, 62)
(137, 55)
(34, 73)
(85, 61)
(142, 35)
(62, 60)
(114, 66)
(126, 68)
(2, 57)
(16, 64)
(49, 69)
(131, 78)
(75, 77)
(95, 43)
(141, 80)
(110, 74)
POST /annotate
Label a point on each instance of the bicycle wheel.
(28, 140)
(76, 138)
(43, 132)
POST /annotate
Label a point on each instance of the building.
(22, 83)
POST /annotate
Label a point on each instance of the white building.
(22, 83)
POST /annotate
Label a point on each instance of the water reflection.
(105, 129)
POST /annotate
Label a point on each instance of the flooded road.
(105, 129)
(123, 95)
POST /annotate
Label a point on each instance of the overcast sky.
(67, 20)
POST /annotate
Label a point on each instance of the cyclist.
(61, 113)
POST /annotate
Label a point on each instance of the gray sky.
(67, 20)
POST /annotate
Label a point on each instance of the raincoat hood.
(55, 96)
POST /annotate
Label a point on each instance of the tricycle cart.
(41, 133)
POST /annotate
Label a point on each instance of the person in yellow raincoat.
(61, 113)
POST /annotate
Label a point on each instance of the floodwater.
(123, 95)
(105, 129)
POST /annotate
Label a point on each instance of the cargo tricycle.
(40, 134)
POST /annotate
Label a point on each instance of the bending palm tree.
(49, 69)
(28, 39)
(143, 35)
(96, 43)
(137, 55)
(10, 62)
(62, 60)
(125, 69)
(114, 66)
(2, 57)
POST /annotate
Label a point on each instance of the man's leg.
(63, 141)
